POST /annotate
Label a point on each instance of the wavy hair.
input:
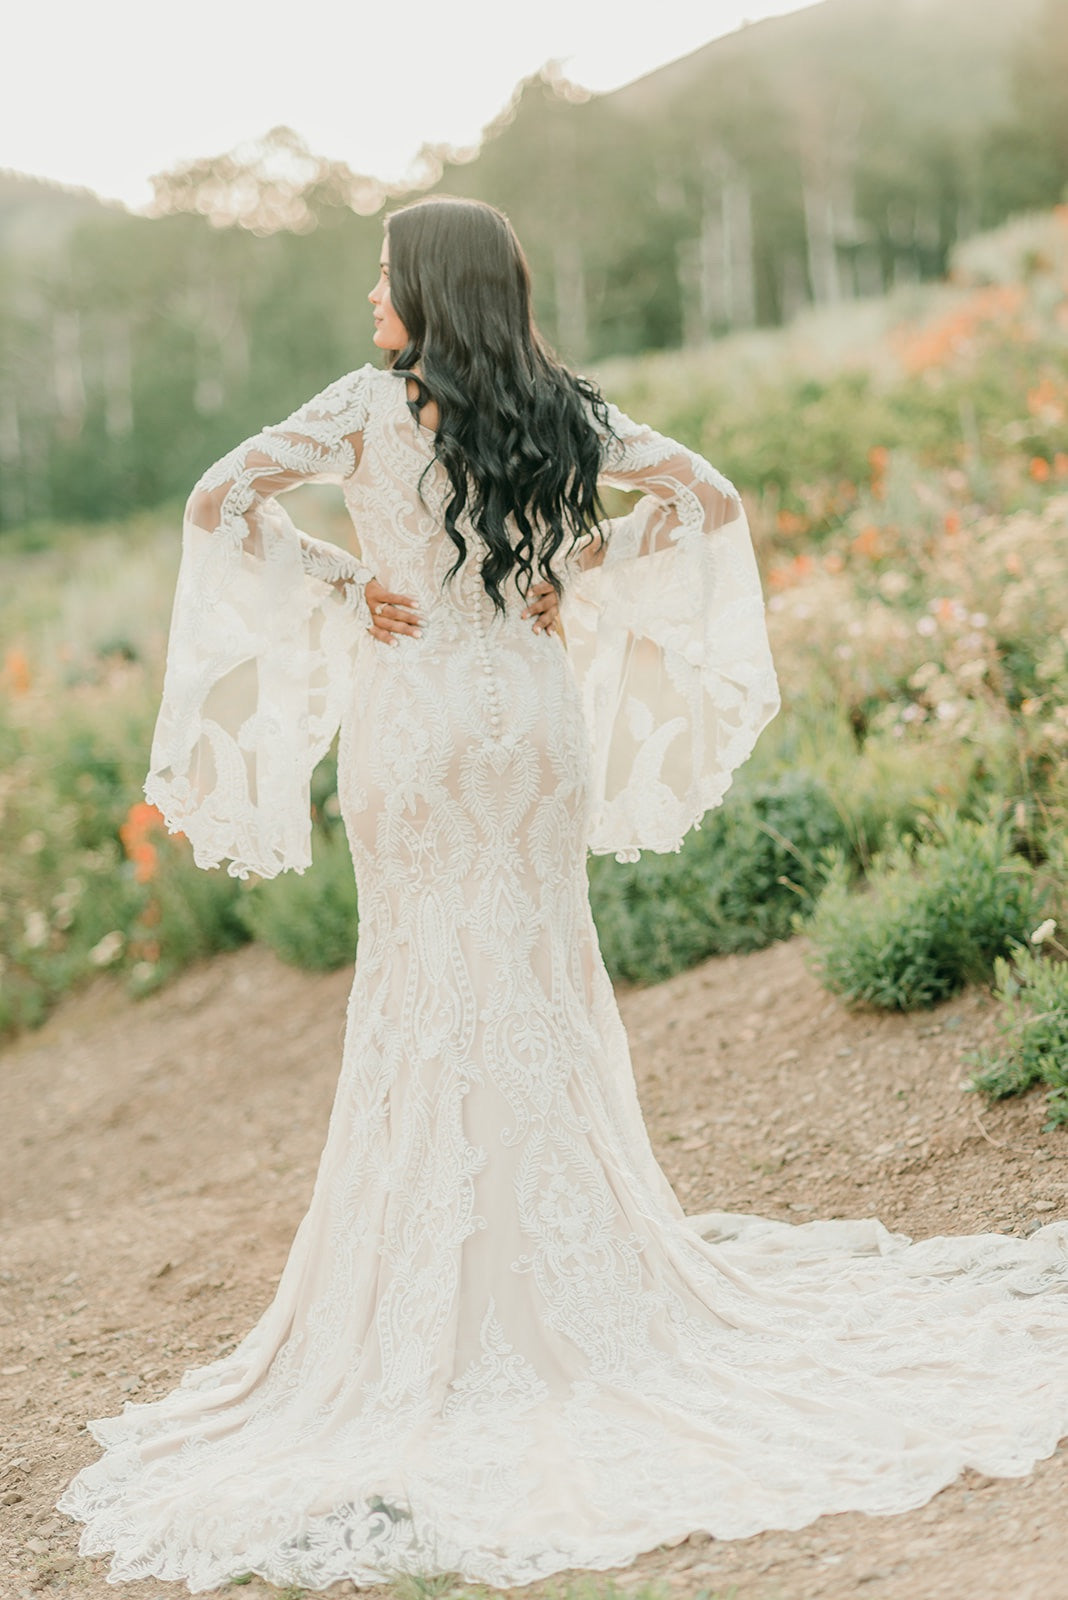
(514, 434)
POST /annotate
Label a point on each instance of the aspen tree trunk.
(67, 375)
(118, 376)
(820, 238)
(12, 489)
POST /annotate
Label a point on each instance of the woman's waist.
(466, 622)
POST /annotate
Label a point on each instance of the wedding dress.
(498, 1346)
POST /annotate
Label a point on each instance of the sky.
(104, 93)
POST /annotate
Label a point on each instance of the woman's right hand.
(391, 614)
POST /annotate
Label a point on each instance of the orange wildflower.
(1044, 397)
(790, 522)
(1038, 467)
(936, 344)
(141, 820)
(17, 670)
(868, 542)
(952, 523)
(785, 577)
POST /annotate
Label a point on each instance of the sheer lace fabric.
(498, 1346)
(262, 646)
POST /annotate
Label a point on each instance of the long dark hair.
(520, 450)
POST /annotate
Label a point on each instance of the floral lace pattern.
(498, 1346)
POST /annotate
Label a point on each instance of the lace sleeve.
(664, 619)
(261, 648)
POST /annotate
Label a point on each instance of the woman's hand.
(391, 614)
(543, 606)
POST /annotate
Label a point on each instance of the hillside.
(157, 1157)
(832, 154)
(36, 215)
(945, 59)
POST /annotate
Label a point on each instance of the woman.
(498, 1346)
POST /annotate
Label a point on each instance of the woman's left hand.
(543, 606)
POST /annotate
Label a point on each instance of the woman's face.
(390, 332)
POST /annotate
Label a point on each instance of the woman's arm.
(260, 654)
(682, 493)
(667, 639)
(321, 442)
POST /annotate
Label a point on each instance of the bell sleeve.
(261, 651)
(664, 620)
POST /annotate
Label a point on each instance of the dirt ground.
(155, 1159)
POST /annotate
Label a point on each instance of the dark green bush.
(195, 913)
(1033, 990)
(309, 920)
(733, 886)
(937, 912)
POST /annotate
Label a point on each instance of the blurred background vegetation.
(830, 252)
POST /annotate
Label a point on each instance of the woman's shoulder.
(354, 392)
(347, 402)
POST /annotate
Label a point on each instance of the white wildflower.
(108, 949)
(893, 585)
(35, 930)
(1044, 931)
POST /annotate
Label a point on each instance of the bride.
(498, 1346)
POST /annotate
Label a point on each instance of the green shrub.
(937, 912)
(1033, 990)
(309, 920)
(73, 904)
(733, 886)
(189, 914)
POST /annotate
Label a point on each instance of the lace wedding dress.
(498, 1345)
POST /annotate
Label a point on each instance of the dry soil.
(156, 1157)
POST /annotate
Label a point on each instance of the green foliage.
(1033, 991)
(734, 885)
(74, 902)
(191, 912)
(938, 909)
(309, 919)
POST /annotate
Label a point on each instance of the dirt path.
(155, 1160)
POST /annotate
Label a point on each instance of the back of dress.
(664, 685)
